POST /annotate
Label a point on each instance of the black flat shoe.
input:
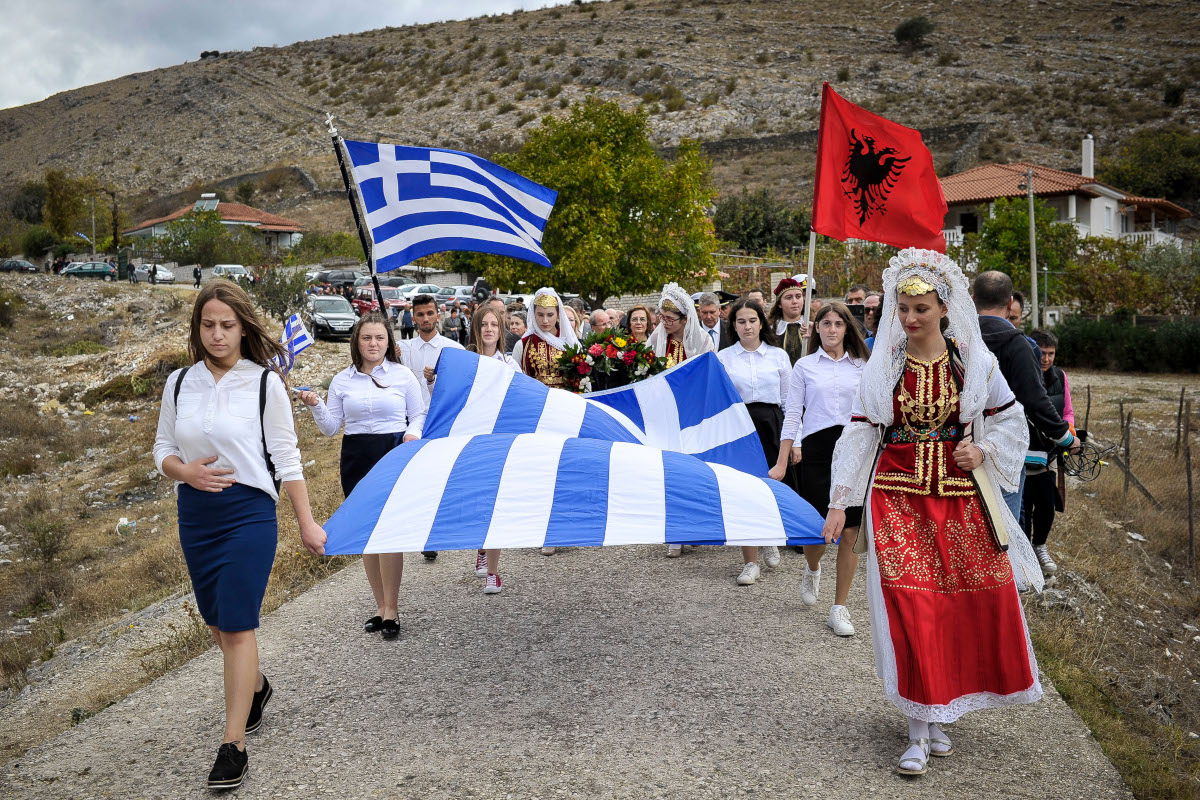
(373, 625)
(261, 698)
(430, 555)
(230, 768)
(391, 629)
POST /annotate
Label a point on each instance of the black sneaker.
(254, 721)
(230, 768)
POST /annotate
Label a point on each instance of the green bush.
(912, 32)
(38, 240)
(1107, 344)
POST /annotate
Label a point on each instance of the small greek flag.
(295, 338)
(423, 200)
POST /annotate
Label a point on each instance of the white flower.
(590, 360)
(585, 384)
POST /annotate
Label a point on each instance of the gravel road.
(611, 673)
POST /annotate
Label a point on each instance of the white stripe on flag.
(385, 214)
(563, 411)
(423, 233)
(625, 421)
(468, 185)
(534, 205)
(721, 428)
(756, 522)
(526, 494)
(637, 510)
(433, 464)
(660, 414)
(484, 402)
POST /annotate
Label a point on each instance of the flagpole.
(358, 223)
(808, 286)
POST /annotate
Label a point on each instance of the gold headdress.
(667, 305)
(914, 286)
(546, 301)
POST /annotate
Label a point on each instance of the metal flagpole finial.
(329, 122)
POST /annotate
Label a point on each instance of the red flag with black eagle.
(875, 180)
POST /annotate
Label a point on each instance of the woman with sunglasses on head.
(760, 372)
(380, 404)
(823, 385)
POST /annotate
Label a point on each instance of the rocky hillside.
(1023, 79)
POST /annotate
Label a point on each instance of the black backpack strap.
(262, 426)
(178, 383)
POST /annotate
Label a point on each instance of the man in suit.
(708, 308)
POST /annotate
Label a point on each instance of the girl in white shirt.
(225, 436)
(823, 386)
(381, 406)
(760, 372)
(487, 332)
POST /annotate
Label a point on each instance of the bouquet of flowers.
(607, 359)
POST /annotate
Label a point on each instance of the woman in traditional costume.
(934, 431)
(538, 351)
(678, 335)
(787, 314)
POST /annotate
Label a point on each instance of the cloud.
(65, 44)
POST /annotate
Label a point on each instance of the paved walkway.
(609, 673)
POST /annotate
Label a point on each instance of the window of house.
(1108, 218)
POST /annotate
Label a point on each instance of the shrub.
(1118, 344)
(10, 304)
(43, 533)
(643, 52)
(912, 32)
(1173, 94)
(843, 74)
(38, 240)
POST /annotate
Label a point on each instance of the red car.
(364, 300)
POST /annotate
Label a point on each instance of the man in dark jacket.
(993, 294)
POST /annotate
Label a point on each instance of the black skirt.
(768, 422)
(361, 451)
(817, 453)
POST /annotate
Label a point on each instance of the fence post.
(1179, 420)
(1187, 462)
(1128, 464)
(1087, 414)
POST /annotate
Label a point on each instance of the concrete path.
(610, 673)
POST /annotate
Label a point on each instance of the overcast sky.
(54, 45)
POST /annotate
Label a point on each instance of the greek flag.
(423, 200)
(549, 490)
(691, 408)
(295, 338)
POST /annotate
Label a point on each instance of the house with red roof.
(279, 233)
(1095, 208)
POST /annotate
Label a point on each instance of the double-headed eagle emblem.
(870, 175)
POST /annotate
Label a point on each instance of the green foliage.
(318, 245)
(756, 221)
(10, 304)
(199, 237)
(279, 291)
(1103, 279)
(912, 32)
(1174, 276)
(27, 205)
(1003, 241)
(64, 202)
(244, 193)
(625, 219)
(1104, 344)
(38, 241)
(1157, 162)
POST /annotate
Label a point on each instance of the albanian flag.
(875, 180)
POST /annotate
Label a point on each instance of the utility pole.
(93, 242)
(1033, 276)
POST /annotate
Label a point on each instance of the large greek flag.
(692, 408)
(547, 490)
(423, 200)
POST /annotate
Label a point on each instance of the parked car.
(415, 289)
(365, 280)
(329, 316)
(17, 265)
(364, 299)
(453, 294)
(142, 273)
(91, 269)
(337, 278)
(235, 272)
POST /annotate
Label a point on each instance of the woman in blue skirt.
(381, 405)
(225, 436)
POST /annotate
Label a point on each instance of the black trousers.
(1039, 501)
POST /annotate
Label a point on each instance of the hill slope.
(1038, 75)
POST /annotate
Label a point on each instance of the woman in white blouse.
(760, 372)
(381, 405)
(823, 385)
(225, 436)
(487, 330)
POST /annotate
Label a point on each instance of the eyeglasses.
(669, 318)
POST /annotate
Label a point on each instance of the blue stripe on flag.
(350, 527)
(445, 243)
(450, 394)
(623, 400)
(522, 407)
(580, 506)
(361, 153)
(597, 424)
(698, 382)
(802, 525)
(465, 512)
(690, 488)
(745, 454)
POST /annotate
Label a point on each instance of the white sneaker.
(839, 621)
(749, 575)
(547, 551)
(481, 564)
(674, 550)
(493, 585)
(771, 556)
(810, 587)
(1043, 556)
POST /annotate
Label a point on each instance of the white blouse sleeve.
(329, 416)
(518, 349)
(853, 459)
(784, 368)
(794, 407)
(164, 441)
(280, 432)
(414, 399)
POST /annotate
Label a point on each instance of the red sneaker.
(493, 584)
(481, 564)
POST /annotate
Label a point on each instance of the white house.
(279, 233)
(1096, 209)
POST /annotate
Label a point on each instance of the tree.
(318, 245)
(244, 193)
(38, 241)
(194, 238)
(625, 219)
(1103, 279)
(912, 32)
(64, 202)
(1174, 273)
(27, 205)
(1003, 240)
(756, 222)
(278, 290)
(1163, 162)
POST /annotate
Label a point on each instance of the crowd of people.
(893, 412)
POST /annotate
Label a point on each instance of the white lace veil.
(695, 341)
(566, 334)
(886, 365)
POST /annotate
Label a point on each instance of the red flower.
(611, 352)
(629, 357)
(596, 349)
(584, 369)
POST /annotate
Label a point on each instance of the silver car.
(142, 273)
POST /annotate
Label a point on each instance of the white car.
(235, 272)
(409, 292)
(142, 273)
